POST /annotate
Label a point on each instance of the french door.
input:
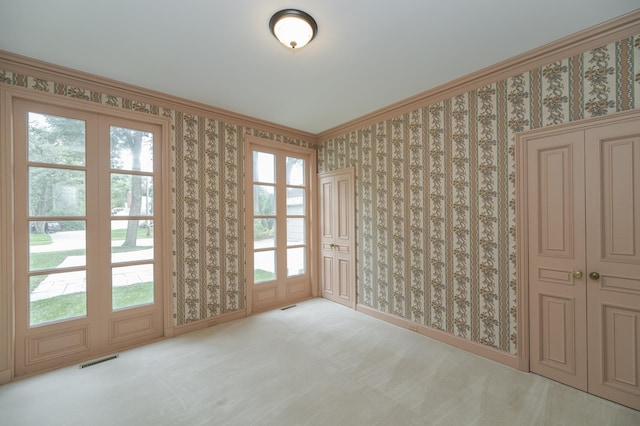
(279, 185)
(87, 260)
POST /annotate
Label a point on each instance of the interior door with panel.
(557, 293)
(87, 261)
(582, 206)
(613, 259)
(337, 236)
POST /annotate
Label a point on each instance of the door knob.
(577, 274)
(594, 276)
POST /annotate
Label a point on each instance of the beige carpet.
(316, 364)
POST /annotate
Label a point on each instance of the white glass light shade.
(293, 28)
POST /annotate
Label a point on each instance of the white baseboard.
(441, 336)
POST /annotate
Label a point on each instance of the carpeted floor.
(316, 364)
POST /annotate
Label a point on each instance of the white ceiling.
(367, 55)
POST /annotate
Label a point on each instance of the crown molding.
(590, 38)
(596, 36)
(48, 71)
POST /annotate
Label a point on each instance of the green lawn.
(116, 235)
(74, 305)
(260, 275)
(51, 260)
(39, 239)
(119, 234)
(56, 308)
(132, 295)
(48, 260)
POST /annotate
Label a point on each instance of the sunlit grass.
(120, 234)
(74, 305)
(132, 295)
(260, 275)
(53, 259)
(39, 239)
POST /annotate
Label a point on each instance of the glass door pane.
(132, 286)
(264, 167)
(296, 216)
(295, 171)
(264, 266)
(56, 182)
(131, 203)
(56, 297)
(264, 217)
(296, 262)
(56, 140)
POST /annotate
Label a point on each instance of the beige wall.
(436, 191)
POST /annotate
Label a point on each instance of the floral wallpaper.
(436, 191)
(206, 166)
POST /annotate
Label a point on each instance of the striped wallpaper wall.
(436, 191)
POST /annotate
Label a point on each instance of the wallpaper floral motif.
(435, 191)
(206, 199)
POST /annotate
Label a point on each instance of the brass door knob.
(594, 276)
(577, 274)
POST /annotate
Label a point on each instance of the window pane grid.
(285, 180)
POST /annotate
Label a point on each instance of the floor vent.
(98, 361)
(288, 307)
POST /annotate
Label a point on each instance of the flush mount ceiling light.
(293, 28)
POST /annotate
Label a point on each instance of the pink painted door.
(613, 261)
(583, 204)
(556, 236)
(337, 237)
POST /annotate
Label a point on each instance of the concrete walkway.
(75, 282)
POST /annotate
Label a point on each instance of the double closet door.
(583, 203)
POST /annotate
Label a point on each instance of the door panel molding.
(613, 251)
(337, 236)
(51, 346)
(612, 154)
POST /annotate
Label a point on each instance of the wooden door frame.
(352, 258)
(522, 216)
(249, 141)
(7, 269)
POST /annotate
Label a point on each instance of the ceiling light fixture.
(293, 28)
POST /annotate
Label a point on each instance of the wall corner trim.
(458, 342)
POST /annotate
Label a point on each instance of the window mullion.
(281, 216)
